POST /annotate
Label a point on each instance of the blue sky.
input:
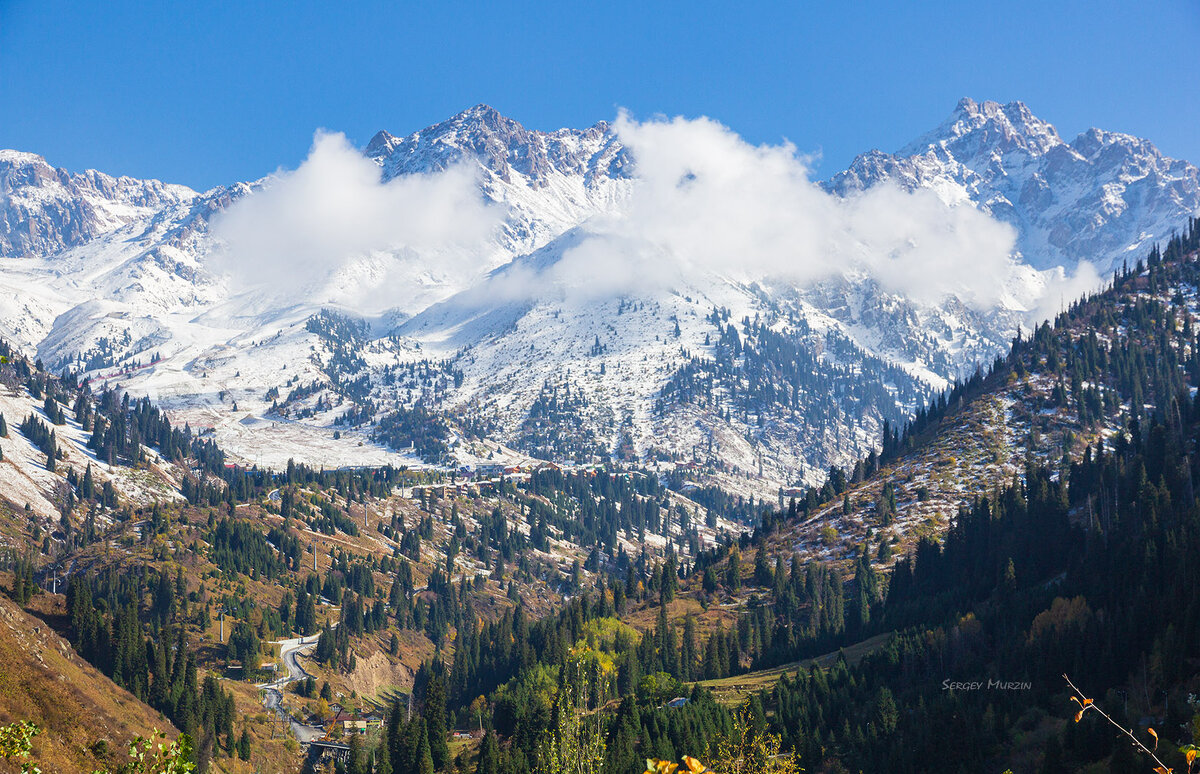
(204, 92)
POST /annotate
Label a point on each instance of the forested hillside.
(1081, 562)
(1036, 519)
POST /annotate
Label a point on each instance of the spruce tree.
(489, 755)
(423, 758)
(434, 713)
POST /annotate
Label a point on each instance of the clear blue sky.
(206, 92)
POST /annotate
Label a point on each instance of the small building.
(325, 749)
(677, 702)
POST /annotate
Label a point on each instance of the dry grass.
(733, 690)
(45, 682)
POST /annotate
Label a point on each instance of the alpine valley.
(569, 481)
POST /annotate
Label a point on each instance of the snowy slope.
(114, 276)
(44, 210)
(1103, 197)
(549, 181)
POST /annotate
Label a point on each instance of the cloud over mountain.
(705, 200)
(300, 227)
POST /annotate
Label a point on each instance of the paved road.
(273, 698)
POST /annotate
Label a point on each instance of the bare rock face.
(502, 146)
(550, 182)
(44, 210)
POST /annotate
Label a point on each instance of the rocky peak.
(979, 127)
(1096, 199)
(499, 144)
(44, 209)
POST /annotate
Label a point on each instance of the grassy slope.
(733, 690)
(44, 681)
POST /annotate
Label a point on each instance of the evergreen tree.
(433, 711)
(489, 755)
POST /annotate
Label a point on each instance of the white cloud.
(707, 201)
(1060, 289)
(704, 201)
(333, 214)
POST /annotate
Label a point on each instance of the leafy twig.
(1086, 704)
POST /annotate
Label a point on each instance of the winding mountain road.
(273, 691)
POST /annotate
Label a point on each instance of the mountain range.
(763, 380)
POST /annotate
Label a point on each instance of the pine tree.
(423, 757)
(687, 650)
(489, 755)
(357, 758)
(434, 714)
(733, 577)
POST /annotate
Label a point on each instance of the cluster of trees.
(23, 586)
(107, 630)
(759, 375)
(415, 744)
(556, 426)
(42, 437)
(590, 509)
(238, 547)
(425, 431)
(220, 484)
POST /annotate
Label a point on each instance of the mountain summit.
(1104, 197)
(503, 146)
(990, 127)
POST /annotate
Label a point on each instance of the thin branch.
(1089, 704)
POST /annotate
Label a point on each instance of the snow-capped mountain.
(44, 210)
(1102, 198)
(550, 182)
(759, 375)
